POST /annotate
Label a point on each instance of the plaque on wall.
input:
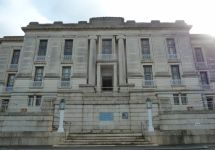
(125, 115)
(106, 117)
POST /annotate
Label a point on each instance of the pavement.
(167, 147)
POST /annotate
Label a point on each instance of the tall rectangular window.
(4, 105)
(148, 73)
(43, 48)
(106, 46)
(30, 100)
(171, 46)
(38, 100)
(10, 80)
(176, 99)
(175, 72)
(204, 78)
(38, 74)
(145, 46)
(184, 99)
(199, 57)
(15, 59)
(66, 73)
(68, 47)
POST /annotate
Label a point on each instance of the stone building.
(105, 69)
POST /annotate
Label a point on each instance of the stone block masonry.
(29, 121)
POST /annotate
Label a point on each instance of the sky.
(15, 14)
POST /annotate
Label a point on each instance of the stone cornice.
(188, 27)
(108, 23)
(12, 38)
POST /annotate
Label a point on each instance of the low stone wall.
(187, 120)
(184, 127)
(31, 138)
(28, 128)
(29, 121)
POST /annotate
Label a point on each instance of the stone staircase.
(103, 140)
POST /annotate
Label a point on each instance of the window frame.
(144, 66)
(69, 74)
(148, 46)
(13, 56)
(202, 50)
(176, 96)
(106, 37)
(168, 45)
(109, 46)
(171, 36)
(39, 51)
(65, 37)
(36, 70)
(71, 46)
(208, 79)
(178, 70)
(37, 99)
(30, 97)
(203, 60)
(8, 78)
(41, 38)
(183, 95)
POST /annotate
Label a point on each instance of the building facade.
(105, 69)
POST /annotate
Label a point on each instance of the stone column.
(98, 78)
(115, 78)
(121, 59)
(92, 60)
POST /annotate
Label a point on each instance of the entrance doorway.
(107, 83)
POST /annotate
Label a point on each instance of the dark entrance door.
(107, 83)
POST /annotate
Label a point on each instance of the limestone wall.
(179, 127)
(82, 113)
(31, 138)
(186, 120)
(22, 122)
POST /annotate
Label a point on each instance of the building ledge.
(146, 61)
(40, 62)
(174, 60)
(12, 70)
(67, 62)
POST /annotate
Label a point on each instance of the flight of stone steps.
(103, 140)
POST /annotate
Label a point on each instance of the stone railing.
(64, 83)
(207, 87)
(66, 58)
(13, 66)
(201, 64)
(177, 82)
(7, 89)
(149, 83)
(40, 58)
(146, 57)
(173, 56)
(36, 84)
(106, 56)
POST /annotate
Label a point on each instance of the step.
(105, 145)
(103, 138)
(108, 140)
(105, 135)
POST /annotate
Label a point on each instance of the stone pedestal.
(125, 87)
(87, 88)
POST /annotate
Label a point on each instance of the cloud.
(15, 14)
